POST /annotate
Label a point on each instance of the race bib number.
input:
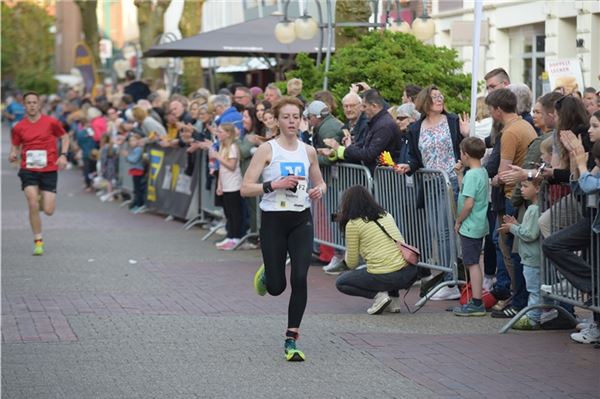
(36, 159)
(292, 200)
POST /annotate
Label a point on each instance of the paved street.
(131, 306)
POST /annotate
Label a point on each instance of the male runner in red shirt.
(34, 137)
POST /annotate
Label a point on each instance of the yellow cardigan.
(374, 246)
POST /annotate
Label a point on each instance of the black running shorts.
(46, 181)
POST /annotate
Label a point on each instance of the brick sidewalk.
(183, 322)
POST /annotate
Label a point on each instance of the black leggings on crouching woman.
(362, 283)
(283, 232)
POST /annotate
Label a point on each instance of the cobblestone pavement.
(131, 306)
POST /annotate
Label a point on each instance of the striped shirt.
(367, 240)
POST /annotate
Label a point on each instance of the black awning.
(254, 37)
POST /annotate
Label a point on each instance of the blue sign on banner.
(84, 61)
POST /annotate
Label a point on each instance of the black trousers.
(367, 285)
(139, 190)
(232, 205)
(283, 233)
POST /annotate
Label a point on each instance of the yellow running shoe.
(38, 247)
(293, 354)
(260, 282)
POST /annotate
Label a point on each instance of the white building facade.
(523, 36)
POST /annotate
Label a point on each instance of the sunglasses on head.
(401, 118)
(558, 103)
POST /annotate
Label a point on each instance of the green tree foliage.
(388, 61)
(28, 47)
(190, 25)
(351, 11)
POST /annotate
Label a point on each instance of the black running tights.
(283, 232)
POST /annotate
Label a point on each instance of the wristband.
(267, 188)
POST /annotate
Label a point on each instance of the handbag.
(411, 254)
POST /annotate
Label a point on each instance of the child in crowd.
(108, 165)
(472, 223)
(229, 184)
(135, 157)
(527, 236)
(84, 135)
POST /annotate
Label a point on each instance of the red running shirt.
(39, 139)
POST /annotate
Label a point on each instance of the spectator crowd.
(522, 146)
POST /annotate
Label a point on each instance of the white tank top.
(285, 163)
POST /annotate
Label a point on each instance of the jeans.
(139, 190)
(559, 249)
(532, 280)
(367, 285)
(519, 300)
(489, 247)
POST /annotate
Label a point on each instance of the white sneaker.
(488, 283)
(583, 325)
(382, 300)
(394, 306)
(590, 335)
(446, 293)
(220, 243)
(334, 261)
(548, 315)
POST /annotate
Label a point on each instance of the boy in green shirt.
(472, 223)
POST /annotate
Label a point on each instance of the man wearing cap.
(325, 126)
(383, 135)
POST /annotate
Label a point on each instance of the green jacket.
(329, 128)
(527, 233)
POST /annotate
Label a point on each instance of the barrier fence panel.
(560, 208)
(338, 178)
(422, 206)
(172, 182)
(124, 181)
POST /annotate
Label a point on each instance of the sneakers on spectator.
(248, 245)
(525, 323)
(381, 302)
(220, 243)
(469, 309)
(488, 283)
(501, 304)
(548, 315)
(134, 209)
(583, 324)
(446, 293)
(394, 306)
(335, 268)
(561, 286)
(141, 209)
(590, 335)
(230, 245)
(507, 313)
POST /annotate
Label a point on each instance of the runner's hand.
(61, 162)
(12, 157)
(288, 182)
(315, 193)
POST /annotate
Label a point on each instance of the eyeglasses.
(350, 105)
(439, 97)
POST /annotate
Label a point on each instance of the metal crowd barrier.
(422, 207)
(565, 209)
(124, 181)
(338, 178)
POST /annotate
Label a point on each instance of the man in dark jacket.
(137, 89)
(383, 135)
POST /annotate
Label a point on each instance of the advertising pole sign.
(84, 62)
(565, 74)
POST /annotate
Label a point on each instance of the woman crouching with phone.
(371, 233)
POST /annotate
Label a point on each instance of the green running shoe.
(260, 282)
(292, 354)
(38, 248)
